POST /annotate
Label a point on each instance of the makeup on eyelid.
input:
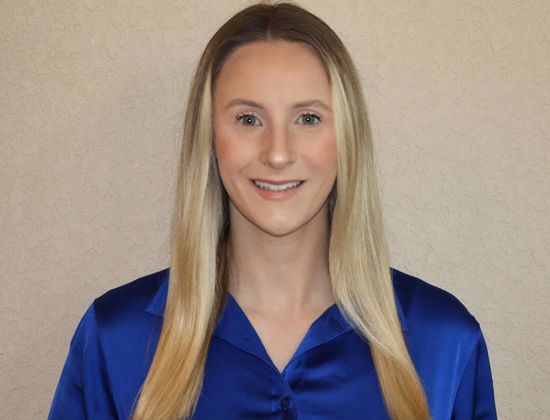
(244, 115)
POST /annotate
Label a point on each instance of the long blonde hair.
(358, 255)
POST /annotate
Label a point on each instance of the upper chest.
(281, 337)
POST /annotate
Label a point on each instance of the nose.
(277, 151)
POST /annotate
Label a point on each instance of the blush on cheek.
(325, 152)
(232, 150)
(226, 150)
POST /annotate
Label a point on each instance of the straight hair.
(358, 255)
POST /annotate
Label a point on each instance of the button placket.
(285, 403)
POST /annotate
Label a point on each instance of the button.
(285, 402)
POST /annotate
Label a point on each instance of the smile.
(275, 187)
(278, 191)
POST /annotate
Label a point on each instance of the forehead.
(267, 67)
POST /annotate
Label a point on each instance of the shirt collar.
(332, 318)
(158, 302)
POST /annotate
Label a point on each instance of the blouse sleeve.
(83, 388)
(475, 397)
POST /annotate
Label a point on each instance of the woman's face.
(273, 127)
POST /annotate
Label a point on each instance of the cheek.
(231, 154)
(223, 150)
(225, 147)
(324, 157)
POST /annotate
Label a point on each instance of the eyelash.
(240, 117)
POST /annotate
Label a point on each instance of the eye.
(247, 119)
(309, 119)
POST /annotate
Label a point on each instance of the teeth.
(272, 187)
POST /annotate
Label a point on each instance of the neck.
(280, 274)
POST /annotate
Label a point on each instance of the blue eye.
(247, 119)
(309, 119)
(250, 120)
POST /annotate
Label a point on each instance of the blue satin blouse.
(331, 375)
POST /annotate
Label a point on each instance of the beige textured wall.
(92, 96)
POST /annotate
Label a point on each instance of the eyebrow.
(314, 102)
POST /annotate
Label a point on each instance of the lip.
(276, 195)
(271, 181)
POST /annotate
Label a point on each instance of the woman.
(279, 301)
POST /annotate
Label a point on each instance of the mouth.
(277, 186)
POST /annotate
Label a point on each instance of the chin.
(279, 228)
(278, 232)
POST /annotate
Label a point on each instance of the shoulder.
(448, 349)
(427, 306)
(111, 351)
(133, 298)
